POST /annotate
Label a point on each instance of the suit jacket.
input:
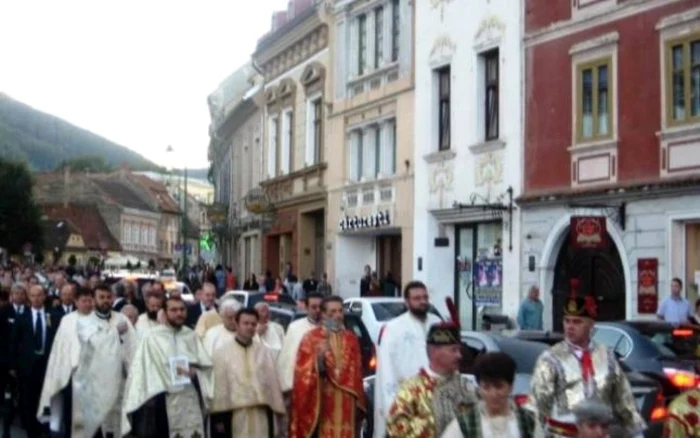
(8, 316)
(22, 354)
(57, 313)
(193, 313)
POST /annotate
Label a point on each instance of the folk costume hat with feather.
(447, 332)
(578, 304)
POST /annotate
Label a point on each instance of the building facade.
(612, 152)
(468, 155)
(293, 58)
(236, 151)
(370, 125)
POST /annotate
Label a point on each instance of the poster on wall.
(588, 232)
(647, 285)
(489, 281)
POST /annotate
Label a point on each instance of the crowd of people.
(86, 359)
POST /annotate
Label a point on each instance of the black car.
(648, 391)
(285, 316)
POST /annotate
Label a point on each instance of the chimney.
(66, 186)
(279, 18)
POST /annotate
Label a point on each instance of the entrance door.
(320, 247)
(600, 274)
(389, 257)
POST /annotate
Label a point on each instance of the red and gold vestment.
(325, 401)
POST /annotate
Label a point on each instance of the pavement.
(15, 432)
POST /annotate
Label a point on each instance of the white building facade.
(370, 178)
(468, 159)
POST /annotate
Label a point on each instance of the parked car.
(377, 311)
(525, 352)
(185, 291)
(285, 316)
(250, 299)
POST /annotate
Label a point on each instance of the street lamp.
(183, 226)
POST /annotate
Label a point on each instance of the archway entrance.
(601, 275)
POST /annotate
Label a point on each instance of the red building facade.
(612, 131)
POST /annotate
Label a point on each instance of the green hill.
(44, 141)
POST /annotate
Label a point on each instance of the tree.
(86, 163)
(20, 217)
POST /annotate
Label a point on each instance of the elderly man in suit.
(32, 337)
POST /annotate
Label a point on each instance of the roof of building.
(86, 218)
(158, 191)
(122, 194)
(57, 232)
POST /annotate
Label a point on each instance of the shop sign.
(256, 201)
(380, 219)
(217, 214)
(647, 285)
(588, 232)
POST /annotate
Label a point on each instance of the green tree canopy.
(87, 163)
(20, 217)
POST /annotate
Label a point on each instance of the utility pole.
(184, 225)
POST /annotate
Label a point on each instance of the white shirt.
(67, 309)
(40, 313)
(19, 308)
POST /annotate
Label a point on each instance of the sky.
(137, 72)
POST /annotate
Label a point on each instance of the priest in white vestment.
(287, 359)
(215, 335)
(149, 319)
(168, 378)
(402, 351)
(270, 333)
(247, 398)
(108, 345)
(57, 393)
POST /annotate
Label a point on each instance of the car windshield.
(388, 310)
(525, 353)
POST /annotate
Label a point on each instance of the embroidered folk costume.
(566, 374)
(400, 356)
(426, 404)
(684, 416)
(477, 423)
(327, 393)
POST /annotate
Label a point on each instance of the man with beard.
(328, 398)
(426, 404)
(226, 329)
(57, 393)
(149, 319)
(402, 350)
(107, 342)
(163, 391)
(247, 399)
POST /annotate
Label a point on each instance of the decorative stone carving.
(489, 170)
(441, 4)
(441, 181)
(490, 33)
(443, 49)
